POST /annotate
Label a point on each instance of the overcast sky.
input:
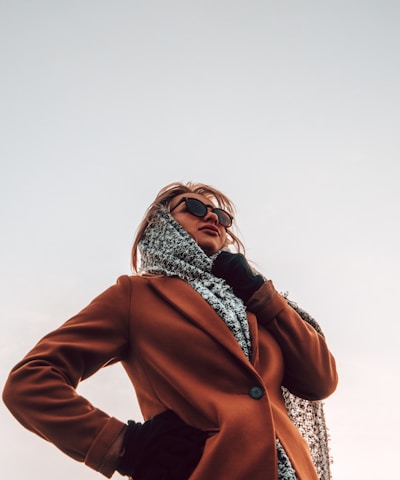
(289, 107)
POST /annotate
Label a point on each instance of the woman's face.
(209, 234)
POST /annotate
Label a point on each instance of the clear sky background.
(289, 107)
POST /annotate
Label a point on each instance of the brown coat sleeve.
(310, 369)
(41, 389)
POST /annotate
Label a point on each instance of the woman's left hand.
(236, 271)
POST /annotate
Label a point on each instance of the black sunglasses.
(200, 209)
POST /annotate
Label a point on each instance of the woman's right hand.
(163, 448)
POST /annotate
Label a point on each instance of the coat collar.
(186, 300)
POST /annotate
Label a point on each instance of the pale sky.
(289, 107)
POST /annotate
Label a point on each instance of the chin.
(209, 250)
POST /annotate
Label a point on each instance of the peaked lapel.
(189, 302)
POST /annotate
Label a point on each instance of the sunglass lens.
(196, 207)
(223, 218)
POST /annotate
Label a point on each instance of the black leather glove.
(162, 448)
(235, 270)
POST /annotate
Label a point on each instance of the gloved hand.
(162, 448)
(235, 270)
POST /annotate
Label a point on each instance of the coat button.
(256, 392)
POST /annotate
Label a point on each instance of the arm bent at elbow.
(310, 368)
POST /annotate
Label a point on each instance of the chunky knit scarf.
(167, 249)
(309, 417)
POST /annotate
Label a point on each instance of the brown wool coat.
(179, 355)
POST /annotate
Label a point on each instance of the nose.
(210, 215)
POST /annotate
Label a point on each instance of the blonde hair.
(163, 199)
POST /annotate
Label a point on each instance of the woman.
(212, 350)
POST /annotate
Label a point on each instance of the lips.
(210, 228)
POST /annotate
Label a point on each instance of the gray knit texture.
(167, 249)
